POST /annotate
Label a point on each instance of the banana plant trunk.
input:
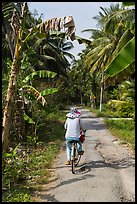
(9, 99)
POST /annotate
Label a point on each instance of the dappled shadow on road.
(94, 125)
(82, 173)
(50, 197)
(75, 179)
(119, 164)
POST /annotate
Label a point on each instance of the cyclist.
(75, 110)
(72, 126)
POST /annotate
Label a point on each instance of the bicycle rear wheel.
(75, 157)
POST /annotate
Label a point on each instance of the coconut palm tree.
(49, 53)
(107, 42)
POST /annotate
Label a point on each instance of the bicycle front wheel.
(77, 157)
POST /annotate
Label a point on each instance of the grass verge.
(26, 170)
(122, 129)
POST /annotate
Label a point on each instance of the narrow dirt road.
(106, 172)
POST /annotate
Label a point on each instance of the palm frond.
(71, 56)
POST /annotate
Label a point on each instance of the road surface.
(106, 172)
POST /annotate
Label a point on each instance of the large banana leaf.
(40, 73)
(39, 95)
(124, 58)
(32, 91)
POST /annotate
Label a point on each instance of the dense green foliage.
(41, 95)
(29, 165)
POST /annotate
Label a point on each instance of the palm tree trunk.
(9, 99)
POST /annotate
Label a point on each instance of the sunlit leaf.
(40, 73)
(28, 119)
(124, 58)
(32, 91)
(49, 91)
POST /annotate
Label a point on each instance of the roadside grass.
(122, 129)
(16, 194)
(31, 168)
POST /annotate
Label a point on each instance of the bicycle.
(75, 156)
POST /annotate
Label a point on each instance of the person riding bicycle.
(72, 126)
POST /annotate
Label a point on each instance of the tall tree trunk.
(9, 98)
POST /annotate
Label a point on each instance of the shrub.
(122, 108)
(126, 110)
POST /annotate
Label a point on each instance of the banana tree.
(16, 24)
(126, 56)
(29, 92)
(20, 37)
(123, 60)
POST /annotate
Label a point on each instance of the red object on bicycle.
(82, 135)
(82, 138)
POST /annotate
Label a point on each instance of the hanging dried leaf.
(61, 23)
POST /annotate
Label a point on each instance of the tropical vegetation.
(40, 78)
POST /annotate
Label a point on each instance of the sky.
(82, 12)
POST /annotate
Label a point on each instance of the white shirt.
(72, 126)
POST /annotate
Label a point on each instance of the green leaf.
(15, 151)
(41, 73)
(28, 119)
(32, 91)
(124, 58)
(49, 91)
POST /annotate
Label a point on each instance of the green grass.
(18, 194)
(123, 129)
